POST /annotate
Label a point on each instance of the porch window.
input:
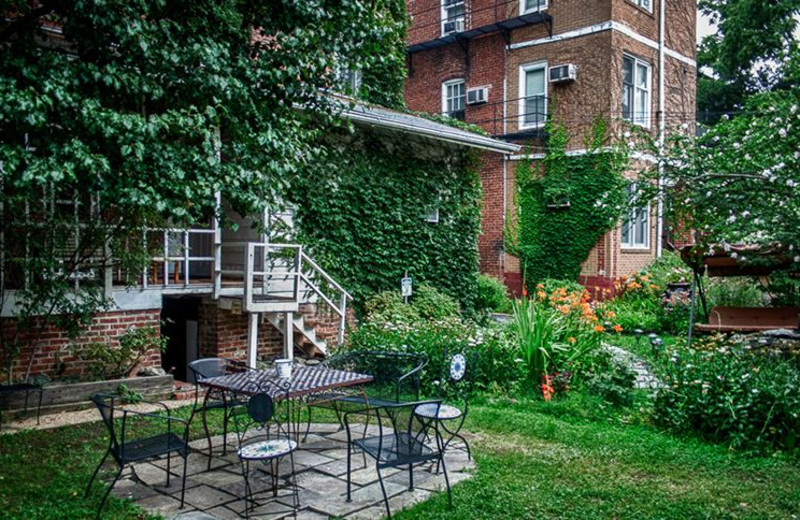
(636, 91)
(533, 95)
(635, 232)
(454, 16)
(532, 6)
(454, 98)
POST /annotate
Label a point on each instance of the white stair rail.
(273, 273)
(339, 307)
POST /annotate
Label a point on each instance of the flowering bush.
(489, 348)
(728, 391)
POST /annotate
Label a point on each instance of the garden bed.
(59, 397)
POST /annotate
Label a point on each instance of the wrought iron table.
(304, 382)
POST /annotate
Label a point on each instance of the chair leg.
(383, 490)
(349, 457)
(245, 472)
(295, 489)
(108, 492)
(96, 471)
(39, 408)
(466, 445)
(411, 477)
(169, 460)
(446, 479)
(308, 423)
(208, 436)
(183, 480)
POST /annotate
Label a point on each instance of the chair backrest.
(395, 375)
(214, 367)
(105, 405)
(457, 374)
(267, 408)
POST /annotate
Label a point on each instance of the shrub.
(389, 305)
(608, 378)
(729, 392)
(734, 292)
(429, 303)
(106, 362)
(492, 295)
(489, 348)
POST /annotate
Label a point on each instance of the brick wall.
(54, 357)
(491, 245)
(223, 333)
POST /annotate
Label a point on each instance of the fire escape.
(461, 22)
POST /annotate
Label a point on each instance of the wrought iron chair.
(267, 414)
(395, 378)
(215, 399)
(401, 441)
(126, 447)
(27, 387)
(455, 385)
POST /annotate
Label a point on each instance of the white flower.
(797, 259)
(734, 255)
(745, 213)
(782, 133)
(725, 117)
(736, 146)
(791, 183)
(731, 220)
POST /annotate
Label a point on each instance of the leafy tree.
(125, 114)
(754, 50)
(739, 182)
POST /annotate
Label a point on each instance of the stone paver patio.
(321, 469)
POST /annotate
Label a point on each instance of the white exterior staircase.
(299, 323)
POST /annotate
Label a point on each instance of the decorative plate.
(458, 366)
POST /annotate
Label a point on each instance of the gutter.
(662, 124)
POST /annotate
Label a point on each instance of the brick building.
(508, 65)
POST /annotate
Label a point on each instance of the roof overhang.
(408, 123)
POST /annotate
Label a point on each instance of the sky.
(704, 27)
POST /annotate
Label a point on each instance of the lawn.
(565, 459)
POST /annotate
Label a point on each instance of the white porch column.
(288, 336)
(252, 340)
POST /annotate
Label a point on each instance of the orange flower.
(617, 328)
(599, 328)
(541, 294)
(572, 340)
(540, 286)
(611, 314)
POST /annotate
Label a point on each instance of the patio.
(321, 468)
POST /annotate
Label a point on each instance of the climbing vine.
(364, 215)
(565, 203)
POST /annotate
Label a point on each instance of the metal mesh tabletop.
(304, 380)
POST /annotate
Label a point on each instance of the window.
(533, 95)
(636, 91)
(453, 16)
(348, 79)
(635, 230)
(454, 98)
(532, 6)
(644, 4)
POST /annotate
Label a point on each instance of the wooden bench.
(750, 319)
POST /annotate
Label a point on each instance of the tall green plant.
(538, 331)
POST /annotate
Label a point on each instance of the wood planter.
(60, 397)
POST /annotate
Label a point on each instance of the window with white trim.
(533, 95)
(647, 5)
(454, 98)
(635, 231)
(532, 6)
(636, 91)
(454, 16)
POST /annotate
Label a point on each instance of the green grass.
(570, 458)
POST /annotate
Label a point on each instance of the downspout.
(662, 124)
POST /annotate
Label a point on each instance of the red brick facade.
(53, 352)
(592, 35)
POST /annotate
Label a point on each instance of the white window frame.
(644, 119)
(445, 98)
(523, 70)
(640, 4)
(445, 15)
(522, 9)
(629, 220)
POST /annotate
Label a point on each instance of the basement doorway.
(179, 324)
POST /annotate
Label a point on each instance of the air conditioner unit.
(477, 96)
(455, 26)
(563, 73)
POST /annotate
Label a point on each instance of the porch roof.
(394, 120)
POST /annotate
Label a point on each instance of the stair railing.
(335, 296)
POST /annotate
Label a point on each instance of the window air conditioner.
(454, 26)
(563, 73)
(477, 96)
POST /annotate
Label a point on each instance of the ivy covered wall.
(565, 204)
(362, 214)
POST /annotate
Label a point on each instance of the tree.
(121, 115)
(754, 50)
(739, 182)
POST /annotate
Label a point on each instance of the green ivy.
(565, 204)
(363, 215)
